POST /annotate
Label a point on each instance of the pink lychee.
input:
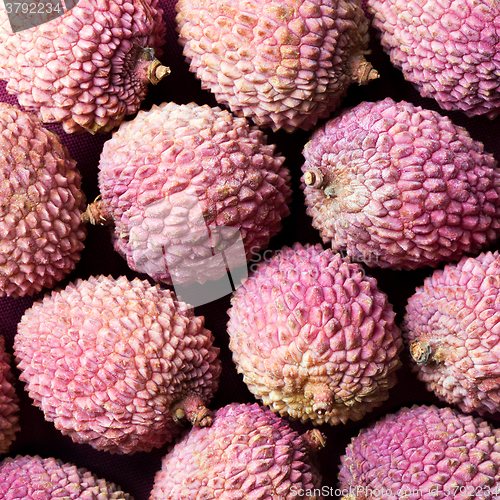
(88, 68)
(117, 363)
(447, 49)
(398, 186)
(452, 328)
(183, 183)
(423, 452)
(313, 336)
(248, 452)
(284, 64)
(41, 204)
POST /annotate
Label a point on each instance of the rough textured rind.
(314, 338)
(88, 68)
(41, 234)
(109, 361)
(426, 452)
(33, 477)
(183, 181)
(282, 63)
(455, 318)
(447, 49)
(9, 408)
(398, 186)
(248, 453)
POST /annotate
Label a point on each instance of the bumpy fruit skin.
(397, 186)
(447, 49)
(452, 327)
(314, 338)
(282, 63)
(41, 233)
(183, 181)
(9, 408)
(248, 452)
(87, 69)
(115, 363)
(426, 452)
(33, 477)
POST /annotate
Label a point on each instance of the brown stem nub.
(361, 70)
(313, 178)
(314, 439)
(420, 352)
(321, 395)
(367, 73)
(309, 178)
(423, 352)
(97, 214)
(156, 71)
(330, 190)
(192, 407)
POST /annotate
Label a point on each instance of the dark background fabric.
(135, 474)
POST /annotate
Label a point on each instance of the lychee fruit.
(248, 452)
(88, 68)
(447, 49)
(423, 453)
(41, 203)
(282, 63)
(181, 183)
(34, 477)
(397, 186)
(117, 363)
(9, 408)
(314, 338)
(452, 328)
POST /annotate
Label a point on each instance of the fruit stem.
(313, 178)
(309, 178)
(97, 214)
(362, 71)
(422, 353)
(156, 71)
(321, 395)
(192, 407)
(329, 191)
(314, 440)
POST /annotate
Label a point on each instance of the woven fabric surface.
(135, 474)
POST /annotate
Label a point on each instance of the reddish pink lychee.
(184, 183)
(452, 328)
(88, 68)
(34, 477)
(248, 452)
(41, 203)
(117, 363)
(9, 408)
(447, 49)
(423, 452)
(398, 186)
(282, 63)
(313, 336)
